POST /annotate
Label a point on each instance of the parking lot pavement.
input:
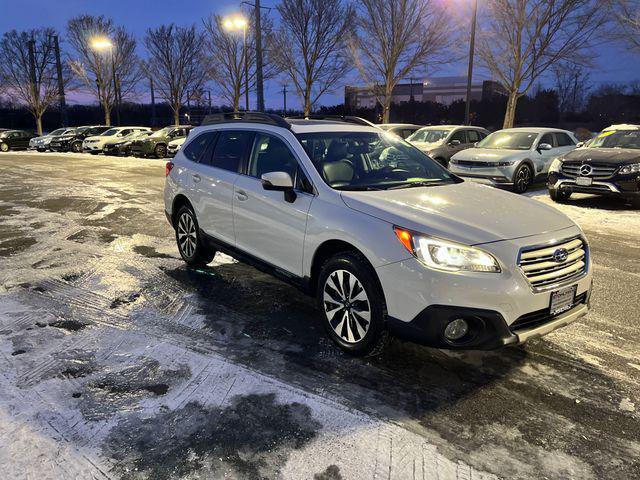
(116, 361)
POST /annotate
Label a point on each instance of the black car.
(72, 141)
(15, 140)
(609, 165)
(123, 147)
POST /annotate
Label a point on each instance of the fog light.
(456, 329)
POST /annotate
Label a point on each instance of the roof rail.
(246, 117)
(340, 118)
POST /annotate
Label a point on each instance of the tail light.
(167, 169)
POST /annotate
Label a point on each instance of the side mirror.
(279, 182)
(475, 145)
(544, 147)
(454, 143)
(580, 145)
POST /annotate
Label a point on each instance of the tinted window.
(546, 138)
(230, 149)
(564, 140)
(270, 154)
(460, 136)
(474, 136)
(198, 146)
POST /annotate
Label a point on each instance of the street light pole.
(115, 86)
(258, 40)
(472, 44)
(246, 67)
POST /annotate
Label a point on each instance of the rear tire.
(76, 147)
(523, 178)
(352, 305)
(188, 237)
(559, 195)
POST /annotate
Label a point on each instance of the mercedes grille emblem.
(586, 170)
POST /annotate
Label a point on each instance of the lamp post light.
(472, 44)
(234, 24)
(101, 44)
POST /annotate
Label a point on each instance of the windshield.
(617, 139)
(161, 133)
(429, 135)
(509, 141)
(59, 131)
(371, 161)
(110, 132)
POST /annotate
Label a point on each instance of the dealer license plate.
(562, 300)
(584, 181)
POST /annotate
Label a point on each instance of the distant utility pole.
(63, 103)
(284, 99)
(472, 47)
(259, 77)
(153, 103)
(209, 97)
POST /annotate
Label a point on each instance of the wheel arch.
(178, 202)
(329, 249)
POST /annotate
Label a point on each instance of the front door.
(266, 224)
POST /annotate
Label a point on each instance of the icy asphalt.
(116, 361)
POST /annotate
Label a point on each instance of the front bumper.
(60, 146)
(491, 175)
(422, 301)
(620, 185)
(142, 150)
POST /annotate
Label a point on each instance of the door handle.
(242, 195)
(196, 177)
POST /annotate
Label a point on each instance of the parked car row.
(97, 139)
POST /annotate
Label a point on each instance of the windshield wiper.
(417, 184)
(355, 188)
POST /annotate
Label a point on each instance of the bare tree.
(224, 58)
(626, 16)
(572, 86)
(310, 47)
(97, 67)
(522, 39)
(36, 88)
(175, 63)
(395, 38)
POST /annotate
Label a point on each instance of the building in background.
(444, 90)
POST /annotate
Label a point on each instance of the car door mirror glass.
(544, 147)
(281, 182)
(455, 143)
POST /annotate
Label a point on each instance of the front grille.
(600, 170)
(535, 319)
(543, 269)
(471, 164)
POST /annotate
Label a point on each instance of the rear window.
(197, 147)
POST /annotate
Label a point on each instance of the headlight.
(633, 168)
(445, 255)
(501, 164)
(556, 165)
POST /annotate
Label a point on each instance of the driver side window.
(460, 136)
(546, 138)
(270, 154)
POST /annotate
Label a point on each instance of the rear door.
(213, 179)
(267, 225)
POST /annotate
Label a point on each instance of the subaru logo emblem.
(561, 255)
(586, 170)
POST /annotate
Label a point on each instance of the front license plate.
(562, 300)
(584, 181)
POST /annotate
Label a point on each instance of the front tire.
(352, 304)
(160, 151)
(188, 237)
(76, 147)
(523, 178)
(559, 195)
(4, 147)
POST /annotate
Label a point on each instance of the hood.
(426, 146)
(489, 155)
(613, 156)
(466, 212)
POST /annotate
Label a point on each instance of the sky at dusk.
(611, 65)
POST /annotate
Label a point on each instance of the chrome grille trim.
(600, 171)
(538, 266)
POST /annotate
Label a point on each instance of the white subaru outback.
(386, 239)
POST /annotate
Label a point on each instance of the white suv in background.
(386, 239)
(96, 143)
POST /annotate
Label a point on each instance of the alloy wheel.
(523, 179)
(187, 238)
(346, 306)
(4, 147)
